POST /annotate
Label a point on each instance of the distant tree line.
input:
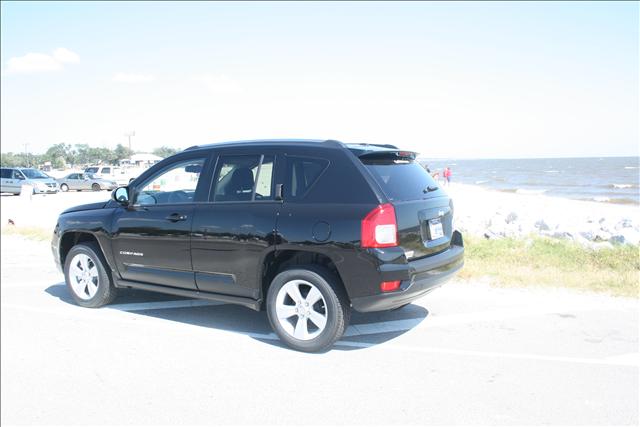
(64, 155)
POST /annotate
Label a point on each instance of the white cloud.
(218, 83)
(41, 62)
(65, 56)
(133, 78)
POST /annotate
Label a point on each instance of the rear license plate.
(435, 229)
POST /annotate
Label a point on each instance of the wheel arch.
(280, 260)
(71, 238)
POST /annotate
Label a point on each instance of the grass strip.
(34, 233)
(550, 262)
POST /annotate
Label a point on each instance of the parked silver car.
(12, 180)
(85, 181)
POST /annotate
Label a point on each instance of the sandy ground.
(465, 354)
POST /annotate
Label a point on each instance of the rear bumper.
(425, 275)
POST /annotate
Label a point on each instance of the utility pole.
(129, 135)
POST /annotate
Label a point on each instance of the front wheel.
(95, 187)
(308, 308)
(64, 187)
(86, 275)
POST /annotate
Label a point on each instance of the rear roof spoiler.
(388, 154)
(380, 151)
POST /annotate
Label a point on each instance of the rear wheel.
(95, 187)
(64, 187)
(87, 278)
(308, 308)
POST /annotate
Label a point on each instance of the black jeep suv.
(304, 229)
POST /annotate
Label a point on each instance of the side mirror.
(121, 195)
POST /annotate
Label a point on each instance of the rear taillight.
(379, 228)
(390, 286)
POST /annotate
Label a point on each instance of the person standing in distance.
(446, 174)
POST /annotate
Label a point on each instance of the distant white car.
(85, 181)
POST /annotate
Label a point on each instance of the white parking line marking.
(382, 327)
(436, 320)
(632, 360)
(159, 305)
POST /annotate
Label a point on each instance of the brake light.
(379, 228)
(390, 286)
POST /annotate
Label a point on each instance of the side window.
(6, 173)
(264, 182)
(106, 170)
(176, 184)
(16, 174)
(74, 176)
(302, 173)
(243, 178)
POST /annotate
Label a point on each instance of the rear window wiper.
(429, 189)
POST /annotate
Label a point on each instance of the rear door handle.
(176, 217)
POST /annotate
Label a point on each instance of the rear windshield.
(401, 179)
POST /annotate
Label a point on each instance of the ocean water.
(600, 179)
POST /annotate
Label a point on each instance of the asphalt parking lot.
(466, 354)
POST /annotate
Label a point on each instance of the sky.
(453, 80)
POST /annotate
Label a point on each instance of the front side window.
(177, 184)
(243, 178)
(106, 170)
(16, 174)
(73, 176)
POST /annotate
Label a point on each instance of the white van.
(123, 176)
(12, 180)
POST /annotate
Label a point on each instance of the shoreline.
(495, 214)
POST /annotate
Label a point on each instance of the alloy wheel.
(301, 310)
(83, 276)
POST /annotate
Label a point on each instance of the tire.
(100, 291)
(95, 187)
(64, 187)
(301, 332)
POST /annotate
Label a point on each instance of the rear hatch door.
(424, 211)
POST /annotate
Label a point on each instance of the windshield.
(91, 170)
(401, 179)
(34, 174)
